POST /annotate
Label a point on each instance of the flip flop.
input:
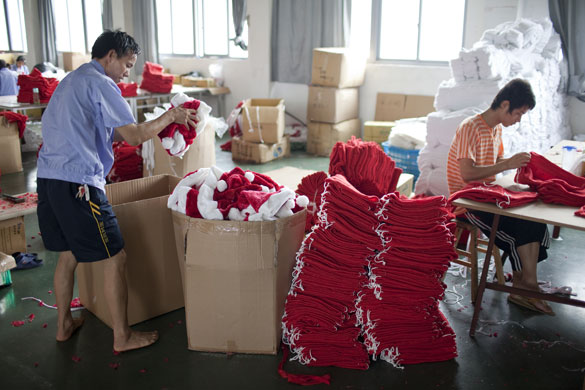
(528, 303)
(26, 260)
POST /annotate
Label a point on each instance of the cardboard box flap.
(6, 262)
(8, 128)
(391, 106)
(263, 110)
(137, 190)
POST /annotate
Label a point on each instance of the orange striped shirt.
(474, 139)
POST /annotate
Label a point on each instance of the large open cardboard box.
(236, 277)
(337, 67)
(253, 152)
(10, 157)
(321, 137)
(263, 120)
(152, 272)
(332, 105)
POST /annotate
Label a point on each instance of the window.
(12, 29)
(423, 30)
(199, 28)
(78, 24)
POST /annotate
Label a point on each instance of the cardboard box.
(323, 136)
(392, 106)
(253, 152)
(202, 82)
(332, 105)
(178, 79)
(72, 61)
(10, 157)
(237, 276)
(152, 272)
(405, 184)
(263, 120)
(337, 67)
(12, 235)
(6, 264)
(377, 131)
(201, 154)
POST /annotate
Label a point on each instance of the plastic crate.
(404, 158)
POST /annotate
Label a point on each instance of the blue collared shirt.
(8, 81)
(78, 127)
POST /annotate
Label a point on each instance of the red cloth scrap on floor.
(18, 118)
(154, 80)
(128, 89)
(553, 183)
(35, 79)
(127, 162)
(494, 193)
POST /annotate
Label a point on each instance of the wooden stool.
(475, 245)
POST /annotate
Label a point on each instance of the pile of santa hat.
(128, 89)
(35, 79)
(237, 195)
(154, 80)
(127, 162)
(176, 138)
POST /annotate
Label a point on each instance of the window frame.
(23, 27)
(376, 31)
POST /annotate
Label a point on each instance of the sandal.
(26, 260)
(529, 303)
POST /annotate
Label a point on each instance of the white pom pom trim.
(249, 175)
(221, 185)
(302, 201)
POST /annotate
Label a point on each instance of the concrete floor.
(514, 349)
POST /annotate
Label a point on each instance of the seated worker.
(476, 154)
(20, 66)
(8, 80)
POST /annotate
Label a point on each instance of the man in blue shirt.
(8, 80)
(75, 217)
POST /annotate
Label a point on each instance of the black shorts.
(68, 222)
(512, 233)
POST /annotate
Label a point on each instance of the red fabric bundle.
(128, 89)
(127, 162)
(35, 79)
(312, 187)
(189, 134)
(553, 183)
(154, 80)
(365, 166)
(18, 118)
(493, 193)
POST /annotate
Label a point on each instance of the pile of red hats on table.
(127, 162)
(128, 89)
(154, 80)
(363, 284)
(35, 79)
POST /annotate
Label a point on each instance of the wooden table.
(538, 211)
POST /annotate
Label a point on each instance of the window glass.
(215, 27)
(93, 21)
(399, 29)
(3, 31)
(61, 25)
(182, 26)
(163, 25)
(440, 41)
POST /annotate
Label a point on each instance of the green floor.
(515, 348)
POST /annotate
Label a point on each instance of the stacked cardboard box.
(10, 157)
(262, 137)
(333, 103)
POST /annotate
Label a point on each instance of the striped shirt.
(474, 139)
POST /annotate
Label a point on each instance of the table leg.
(556, 231)
(484, 272)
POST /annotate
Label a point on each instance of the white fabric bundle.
(409, 133)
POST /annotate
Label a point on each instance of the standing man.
(477, 154)
(8, 80)
(75, 217)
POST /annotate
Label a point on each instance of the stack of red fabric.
(312, 187)
(35, 79)
(18, 118)
(553, 183)
(494, 193)
(154, 80)
(127, 162)
(128, 89)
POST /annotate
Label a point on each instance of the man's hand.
(518, 160)
(184, 116)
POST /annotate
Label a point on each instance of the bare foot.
(135, 340)
(64, 333)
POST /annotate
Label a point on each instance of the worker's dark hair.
(20, 58)
(2, 64)
(118, 40)
(518, 92)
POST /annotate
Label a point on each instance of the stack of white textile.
(525, 48)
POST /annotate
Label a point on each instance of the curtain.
(107, 17)
(300, 26)
(48, 34)
(144, 20)
(239, 16)
(568, 17)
